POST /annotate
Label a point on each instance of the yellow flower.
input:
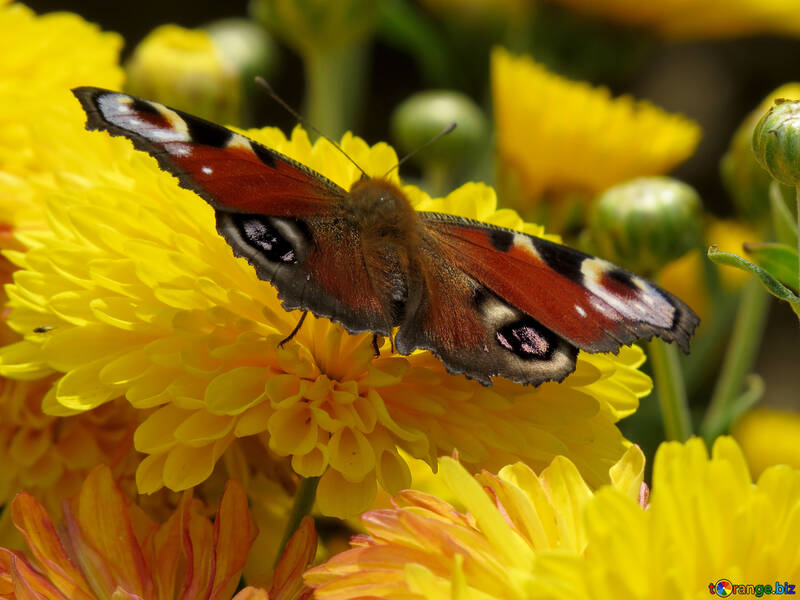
(109, 549)
(42, 58)
(133, 274)
(184, 69)
(526, 538)
(683, 19)
(557, 137)
(706, 521)
(425, 548)
(769, 437)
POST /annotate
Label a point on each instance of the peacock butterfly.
(485, 300)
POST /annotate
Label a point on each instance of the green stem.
(671, 391)
(797, 199)
(740, 356)
(303, 503)
(334, 82)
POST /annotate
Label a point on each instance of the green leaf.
(783, 220)
(779, 260)
(774, 287)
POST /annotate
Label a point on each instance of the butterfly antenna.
(274, 95)
(430, 142)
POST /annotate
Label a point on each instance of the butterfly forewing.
(586, 300)
(285, 219)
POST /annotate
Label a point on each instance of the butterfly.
(485, 300)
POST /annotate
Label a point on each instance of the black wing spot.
(527, 339)
(206, 133)
(623, 277)
(567, 261)
(261, 235)
(143, 106)
(501, 239)
(264, 154)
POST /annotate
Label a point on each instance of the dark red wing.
(588, 301)
(228, 170)
(284, 218)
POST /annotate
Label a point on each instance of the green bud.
(645, 223)
(424, 115)
(746, 182)
(420, 118)
(183, 68)
(776, 142)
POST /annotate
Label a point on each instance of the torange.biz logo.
(725, 588)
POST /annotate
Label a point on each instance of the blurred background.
(713, 65)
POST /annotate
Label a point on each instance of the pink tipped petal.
(197, 536)
(105, 525)
(234, 532)
(29, 584)
(167, 545)
(36, 527)
(287, 583)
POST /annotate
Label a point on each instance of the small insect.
(485, 300)
(42, 329)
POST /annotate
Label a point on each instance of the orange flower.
(109, 549)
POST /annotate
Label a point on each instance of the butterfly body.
(485, 300)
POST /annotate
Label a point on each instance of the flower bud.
(746, 182)
(776, 142)
(183, 68)
(245, 46)
(646, 222)
(417, 120)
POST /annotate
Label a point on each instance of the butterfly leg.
(295, 330)
(375, 345)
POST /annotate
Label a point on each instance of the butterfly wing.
(284, 218)
(530, 303)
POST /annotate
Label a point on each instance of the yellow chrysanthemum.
(769, 437)
(683, 19)
(42, 58)
(526, 538)
(557, 137)
(424, 548)
(706, 521)
(133, 274)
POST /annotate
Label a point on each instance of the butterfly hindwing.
(475, 332)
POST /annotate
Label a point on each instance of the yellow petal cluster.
(697, 19)
(425, 548)
(556, 137)
(144, 300)
(707, 520)
(40, 60)
(525, 537)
